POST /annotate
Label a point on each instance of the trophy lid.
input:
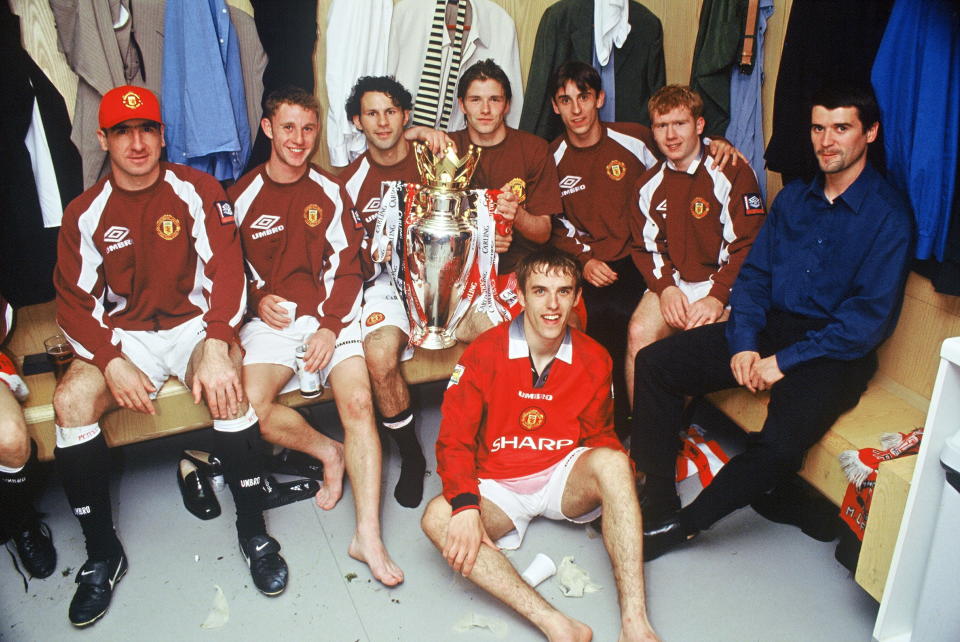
(446, 171)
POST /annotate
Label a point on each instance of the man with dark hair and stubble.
(150, 285)
(819, 292)
(379, 107)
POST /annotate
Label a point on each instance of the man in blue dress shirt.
(820, 290)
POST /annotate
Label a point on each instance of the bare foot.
(561, 628)
(332, 488)
(638, 632)
(373, 553)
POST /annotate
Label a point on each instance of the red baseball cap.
(127, 102)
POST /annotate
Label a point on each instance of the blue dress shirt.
(204, 105)
(844, 262)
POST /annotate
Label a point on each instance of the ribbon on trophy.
(486, 261)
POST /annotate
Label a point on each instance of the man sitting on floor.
(527, 430)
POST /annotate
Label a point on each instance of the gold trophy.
(440, 242)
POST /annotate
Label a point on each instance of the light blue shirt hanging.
(204, 107)
(745, 130)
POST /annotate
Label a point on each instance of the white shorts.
(695, 291)
(547, 501)
(263, 344)
(382, 307)
(161, 354)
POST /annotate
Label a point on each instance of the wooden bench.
(895, 401)
(176, 412)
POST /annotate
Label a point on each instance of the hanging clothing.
(357, 36)
(30, 102)
(103, 57)
(204, 104)
(253, 60)
(288, 33)
(717, 48)
(611, 26)
(491, 34)
(916, 75)
(745, 130)
(827, 41)
(566, 32)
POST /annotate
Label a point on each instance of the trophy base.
(437, 339)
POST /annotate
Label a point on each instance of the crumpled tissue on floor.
(574, 581)
(219, 613)
(477, 621)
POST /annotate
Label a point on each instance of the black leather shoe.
(298, 464)
(96, 580)
(276, 494)
(208, 465)
(656, 510)
(196, 491)
(268, 570)
(664, 536)
(34, 544)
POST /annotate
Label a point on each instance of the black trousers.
(803, 406)
(608, 313)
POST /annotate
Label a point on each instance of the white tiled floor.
(746, 579)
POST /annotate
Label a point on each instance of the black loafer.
(664, 536)
(34, 544)
(96, 580)
(656, 510)
(276, 494)
(296, 463)
(268, 570)
(195, 489)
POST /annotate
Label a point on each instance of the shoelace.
(13, 557)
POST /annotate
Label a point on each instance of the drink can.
(309, 381)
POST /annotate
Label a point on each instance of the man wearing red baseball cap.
(150, 284)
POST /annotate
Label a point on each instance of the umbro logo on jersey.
(569, 181)
(571, 184)
(117, 237)
(115, 234)
(373, 205)
(265, 224)
(662, 207)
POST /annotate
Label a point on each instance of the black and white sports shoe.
(96, 580)
(267, 568)
(34, 544)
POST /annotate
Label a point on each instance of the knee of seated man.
(432, 520)
(381, 358)
(14, 442)
(608, 463)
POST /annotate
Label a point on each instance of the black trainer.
(34, 544)
(277, 494)
(268, 570)
(96, 580)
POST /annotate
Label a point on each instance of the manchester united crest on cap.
(313, 214)
(131, 100)
(699, 207)
(532, 418)
(519, 187)
(616, 169)
(374, 319)
(168, 227)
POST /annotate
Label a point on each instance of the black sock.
(242, 455)
(409, 489)
(16, 498)
(660, 498)
(85, 473)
